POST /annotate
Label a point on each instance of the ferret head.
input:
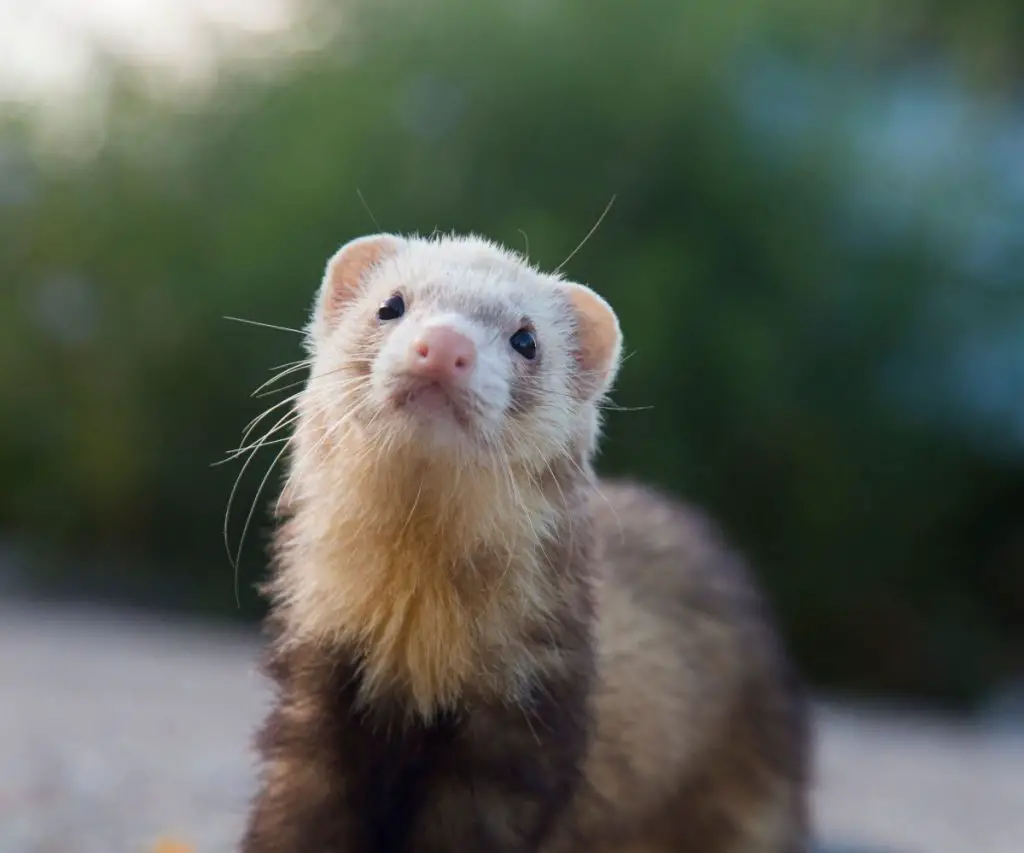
(453, 347)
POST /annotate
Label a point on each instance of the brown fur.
(493, 653)
(700, 740)
(690, 736)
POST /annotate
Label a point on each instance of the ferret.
(477, 645)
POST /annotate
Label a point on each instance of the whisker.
(265, 325)
(595, 482)
(526, 238)
(252, 510)
(412, 510)
(249, 427)
(565, 503)
(296, 466)
(238, 451)
(263, 441)
(590, 233)
(287, 364)
(273, 391)
(516, 493)
(267, 393)
(359, 193)
(332, 386)
(541, 393)
(286, 372)
(610, 408)
(231, 500)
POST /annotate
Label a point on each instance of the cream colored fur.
(425, 550)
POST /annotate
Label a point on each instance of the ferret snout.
(443, 354)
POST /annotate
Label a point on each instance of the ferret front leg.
(294, 812)
(303, 804)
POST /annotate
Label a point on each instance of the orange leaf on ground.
(170, 845)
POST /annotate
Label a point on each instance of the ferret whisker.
(276, 367)
(252, 511)
(265, 325)
(295, 368)
(227, 511)
(288, 419)
(325, 384)
(374, 418)
(526, 238)
(589, 234)
(298, 465)
(542, 393)
(255, 421)
(565, 501)
(251, 426)
(273, 391)
(316, 408)
(518, 495)
(612, 408)
(373, 218)
(284, 422)
(509, 547)
(263, 442)
(227, 517)
(596, 485)
(412, 509)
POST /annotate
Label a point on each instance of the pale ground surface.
(115, 731)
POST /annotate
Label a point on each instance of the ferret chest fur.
(439, 588)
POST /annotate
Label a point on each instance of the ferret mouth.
(430, 399)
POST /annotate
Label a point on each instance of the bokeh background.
(816, 247)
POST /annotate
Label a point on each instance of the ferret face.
(455, 347)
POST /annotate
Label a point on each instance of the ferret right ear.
(598, 340)
(346, 272)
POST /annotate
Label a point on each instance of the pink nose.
(442, 353)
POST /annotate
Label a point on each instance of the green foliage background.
(781, 319)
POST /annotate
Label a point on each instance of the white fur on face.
(517, 409)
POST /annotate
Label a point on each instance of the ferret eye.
(392, 309)
(524, 343)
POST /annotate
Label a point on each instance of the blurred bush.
(814, 250)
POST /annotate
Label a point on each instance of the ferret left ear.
(346, 273)
(598, 340)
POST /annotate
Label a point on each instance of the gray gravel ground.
(116, 730)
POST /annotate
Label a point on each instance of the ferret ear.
(346, 272)
(598, 340)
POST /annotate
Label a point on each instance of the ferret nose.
(442, 353)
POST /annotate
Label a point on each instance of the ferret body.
(477, 646)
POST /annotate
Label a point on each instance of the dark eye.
(524, 343)
(392, 309)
